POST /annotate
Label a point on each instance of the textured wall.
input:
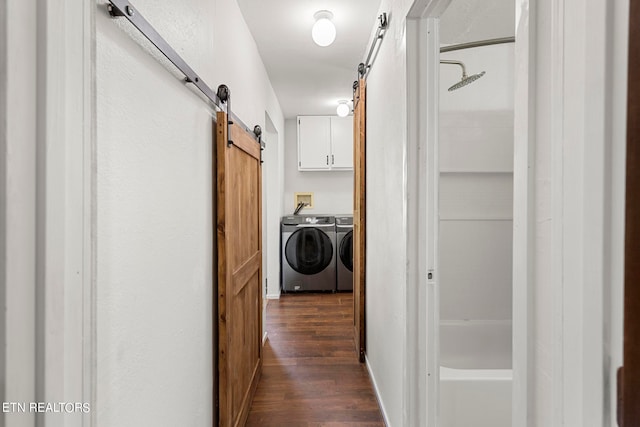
(154, 207)
(386, 273)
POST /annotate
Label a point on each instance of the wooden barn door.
(359, 228)
(239, 238)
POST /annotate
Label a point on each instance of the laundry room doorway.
(272, 185)
(311, 249)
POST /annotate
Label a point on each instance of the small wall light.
(343, 109)
(323, 31)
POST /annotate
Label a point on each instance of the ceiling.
(309, 79)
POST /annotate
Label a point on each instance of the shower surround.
(475, 243)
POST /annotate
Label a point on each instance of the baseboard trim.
(377, 392)
(273, 296)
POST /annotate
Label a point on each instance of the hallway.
(311, 375)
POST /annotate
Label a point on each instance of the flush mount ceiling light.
(343, 109)
(323, 31)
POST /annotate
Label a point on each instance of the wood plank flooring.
(311, 375)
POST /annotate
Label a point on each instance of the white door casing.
(52, 234)
(422, 341)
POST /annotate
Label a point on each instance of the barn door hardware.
(362, 70)
(220, 100)
(224, 94)
(225, 97)
(383, 25)
(257, 131)
(122, 8)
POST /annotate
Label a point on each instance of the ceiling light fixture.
(343, 109)
(323, 31)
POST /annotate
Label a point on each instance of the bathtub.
(475, 374)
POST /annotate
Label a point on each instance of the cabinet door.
(342, 142)
(314, 143)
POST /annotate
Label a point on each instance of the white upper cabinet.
(325, 143)
(342, 142)
(314, 143)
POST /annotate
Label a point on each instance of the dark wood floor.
(311, 375)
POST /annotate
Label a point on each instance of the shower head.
(465, 79)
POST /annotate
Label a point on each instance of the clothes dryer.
(308, 255)
(344, 246)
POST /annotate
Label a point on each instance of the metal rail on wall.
(221, 99)
(364, 67)
(479, 43)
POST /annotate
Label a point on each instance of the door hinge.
(300, 164)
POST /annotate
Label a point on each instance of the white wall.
(332, 190)
(155, 236)
(386, 264)
(568, 234)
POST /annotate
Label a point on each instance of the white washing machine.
(344, 247)
(308, 255)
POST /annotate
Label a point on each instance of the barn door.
(239, 236)
(359, 128)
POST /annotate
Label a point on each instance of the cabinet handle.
(327, 160)
(333, 161)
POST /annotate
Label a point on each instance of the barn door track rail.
(383, 25)
(221, 99)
